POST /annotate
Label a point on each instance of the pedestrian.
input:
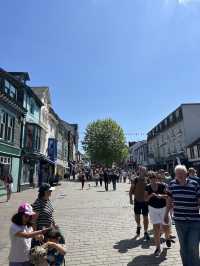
(8, 183)
(55, 244)
(96, 177)
(137, 188)
(184, 196)
(106, 179)
(21, 234)
(101, 177)
(156, 195)
(114, 180)
(44, 208)
(192, 174)
(82, 179)
(124, 176)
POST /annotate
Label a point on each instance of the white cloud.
(185, 2)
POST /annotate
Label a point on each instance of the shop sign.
(52, 149)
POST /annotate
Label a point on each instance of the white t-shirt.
(20, 246)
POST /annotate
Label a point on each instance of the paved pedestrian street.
(98, 226)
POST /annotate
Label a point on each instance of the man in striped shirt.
(184, 196)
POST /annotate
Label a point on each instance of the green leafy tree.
(105, 142)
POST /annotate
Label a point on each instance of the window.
(32, 107)
(2, 125)
(192, 153)
(10, 128)
(37, 138)
(32, 137)
(198, 150)
(7, 125)
(10, 89)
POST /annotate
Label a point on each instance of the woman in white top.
(21, 233)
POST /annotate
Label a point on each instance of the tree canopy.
(105, 142)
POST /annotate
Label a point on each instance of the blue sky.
(131, 60)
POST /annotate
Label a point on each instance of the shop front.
(9, 164)
(46, 170)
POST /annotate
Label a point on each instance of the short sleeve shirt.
(20, 246)
(45, 210)
(185, 200)
(156, 202)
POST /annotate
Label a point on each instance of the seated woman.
(55, 245)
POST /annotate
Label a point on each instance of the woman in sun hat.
(21, 234)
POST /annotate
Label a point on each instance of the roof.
(19, 84)
(197, 141)
(51, 110)
(67, 125)
(25, 75)
(40, 91)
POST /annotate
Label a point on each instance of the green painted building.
(12, 115)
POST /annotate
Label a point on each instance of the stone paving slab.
(98, 226)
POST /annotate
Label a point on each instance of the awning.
(47, 160)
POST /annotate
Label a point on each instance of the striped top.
(44, 209)
(185, 200)
(195, 178)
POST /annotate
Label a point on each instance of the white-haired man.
(184, 195)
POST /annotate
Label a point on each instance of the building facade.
(168, 141)
(138, 153)
(48, 123)
(35, 144)
(31, 146)
(12, 116)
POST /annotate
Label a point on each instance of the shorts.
(141, 208)
(157, 215)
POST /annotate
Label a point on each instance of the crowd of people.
(160, 199)
(104, 175)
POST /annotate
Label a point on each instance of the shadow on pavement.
(124, 245)
(149, 260)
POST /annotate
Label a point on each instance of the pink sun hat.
(27, 209)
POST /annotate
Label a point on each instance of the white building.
(168, 140)
(138, 153)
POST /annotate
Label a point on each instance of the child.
(21, 234)
(55, 244)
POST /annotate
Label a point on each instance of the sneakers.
(157, 252)
(168, 243)
(138, 230)
(146, 236)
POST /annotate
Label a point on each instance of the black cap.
(45, 187)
